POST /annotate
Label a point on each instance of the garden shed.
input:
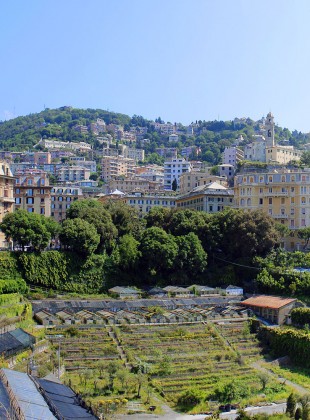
(46, 318)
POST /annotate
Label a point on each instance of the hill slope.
(22, 133)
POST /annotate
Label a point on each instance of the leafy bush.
(190, 397)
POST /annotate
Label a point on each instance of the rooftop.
(272, 302)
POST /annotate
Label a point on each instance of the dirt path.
(298, 388)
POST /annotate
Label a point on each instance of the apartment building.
(83, 129)
(128, 185)
(114, 166)
(173, 138)
(32, 191)
(186, 152)
(166, 129)
(283, 194)
(145, 202)
(56, 144)
(37, 158)
(81, 161)
(62, 197)
(7, 182)
(137, 155)
(167, 152)
(210, 198)
(73, 173)
(193, 179)
(232, 155)
(173, 169)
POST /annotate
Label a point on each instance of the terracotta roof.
(262, 301)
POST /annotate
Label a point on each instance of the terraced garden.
(120, 363)
(200, 356)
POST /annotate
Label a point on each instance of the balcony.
(279, 216)
(276, 194)
(7, 200)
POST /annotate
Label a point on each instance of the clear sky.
(181, 60)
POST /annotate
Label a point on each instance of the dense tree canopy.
(94, 213)
(28, 229)
(79, 236)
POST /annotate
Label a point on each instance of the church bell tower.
(269, 127)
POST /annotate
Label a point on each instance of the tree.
(174, 185)
(28, 229)
(112, 370)
(158, 250)
(125, 218)
(291, 403)
(250, 233)
(304, 234)
(80, 236)
(159, 217)
(95, 214)
(129, 253)
(305, 159)
(191, 258)
(264, 378)
(305, 405)
(93, 176)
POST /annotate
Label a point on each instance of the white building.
(73, 173)
(232, 155)
(173, 138)
(173, 169)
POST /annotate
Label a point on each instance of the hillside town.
(257, 175)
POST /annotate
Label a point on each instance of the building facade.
(32, 192)
(114, 166)
(283, 194)
(193, 179)
(61, 199)
(7, 182)
(210, 198)
(173, 169)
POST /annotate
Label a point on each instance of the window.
(303, 211)
(60, 198)
(303, 222)
(30, 200)
(17, 191)
(269, 201)
(17, 200)
(42, 210)
(29, 181)
(260, 201)
(282, 200)
(42, 191)
(30, 209)
(30, 192)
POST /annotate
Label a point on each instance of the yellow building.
(210, 198)
(6, 196)
(283, 194)
(190, 180)
(282, 154)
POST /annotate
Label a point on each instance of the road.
(172, 415)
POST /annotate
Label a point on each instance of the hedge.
(300, 316)
(288, 342)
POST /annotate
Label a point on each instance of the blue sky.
(179, 59)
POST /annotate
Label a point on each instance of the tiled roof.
(272, 302)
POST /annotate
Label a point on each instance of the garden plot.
(201, 356)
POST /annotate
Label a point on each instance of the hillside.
(22, 133)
